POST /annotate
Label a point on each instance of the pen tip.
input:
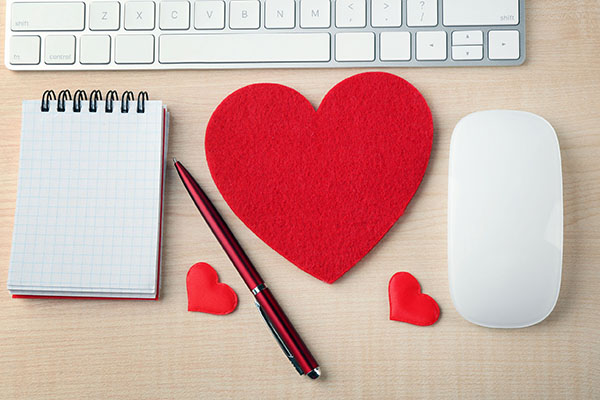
(174, 160)
(315, 373)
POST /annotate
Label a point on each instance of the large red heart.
(408, 303)
(206, 293)
(321, 187)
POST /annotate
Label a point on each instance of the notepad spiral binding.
(95, 96)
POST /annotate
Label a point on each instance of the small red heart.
(409, 304)
(205, 292)
(321, 187)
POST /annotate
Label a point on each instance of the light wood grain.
(157, 350)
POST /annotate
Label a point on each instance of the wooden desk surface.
(158, 350)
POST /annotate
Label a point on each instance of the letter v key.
(209, 14)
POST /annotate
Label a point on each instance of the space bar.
(244, 48)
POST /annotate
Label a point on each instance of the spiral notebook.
(88, 219)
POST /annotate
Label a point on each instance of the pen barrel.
(286, 331)
(220, 229)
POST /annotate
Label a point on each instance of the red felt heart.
(321, 187)
(408, 303)
(206, 293)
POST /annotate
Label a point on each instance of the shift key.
(481, 12)
(47, 16)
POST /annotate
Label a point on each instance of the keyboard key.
(386, 13)
(250, 47)
(105, 15)
(55, 16)
(24, 50)
(174, 15)
(395, 46)
(355, 46)
(315, 13)
(94, 49)
(467, 53)
(504, 45)
(139, 15)
(463, 38)
(280, 14)
(421, 12)
(60, 49)
(350, 13)
(209, 15)
(134, 49)
(431, 46)
(244, 14)
(481, 12)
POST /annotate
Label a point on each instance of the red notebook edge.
(159, 262)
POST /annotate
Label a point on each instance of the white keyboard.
(214, 34)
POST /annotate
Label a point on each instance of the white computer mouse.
(505, 218)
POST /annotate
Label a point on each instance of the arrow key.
(504, 45)
(431, 46)
(467, 53)
(466, 38)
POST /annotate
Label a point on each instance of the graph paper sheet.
(88, 215)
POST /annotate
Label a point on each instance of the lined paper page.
(88, 204)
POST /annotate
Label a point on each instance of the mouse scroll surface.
(505, 218)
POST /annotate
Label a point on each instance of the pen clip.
(278, 338)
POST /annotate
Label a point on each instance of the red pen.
(281, 327)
